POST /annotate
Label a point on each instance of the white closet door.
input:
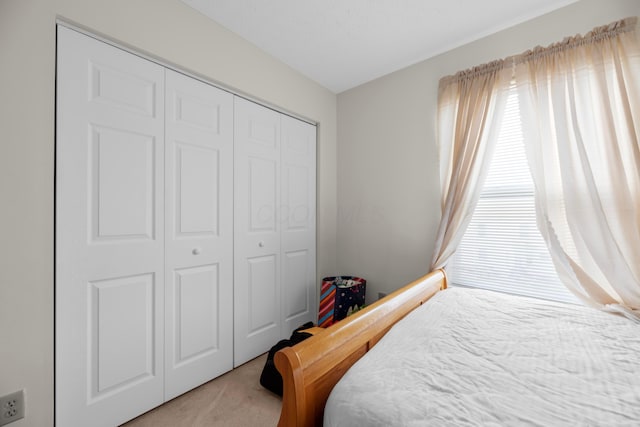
(298, 219)
(199, 233)
(109, 233)
(257, 314)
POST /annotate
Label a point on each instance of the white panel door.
(257, 315)
(298, 223)
(199, 233)
(109, 233)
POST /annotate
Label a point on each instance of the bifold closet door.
(199, 233)
(159, 287)
(109, 233)
(274, 247)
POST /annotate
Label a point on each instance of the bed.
(515, 366)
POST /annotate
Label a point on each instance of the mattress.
(472, 357)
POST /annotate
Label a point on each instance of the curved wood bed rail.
(311, 368)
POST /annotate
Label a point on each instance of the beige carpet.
(235, 399)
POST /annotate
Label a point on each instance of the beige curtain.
(467, 130)
(580, 104)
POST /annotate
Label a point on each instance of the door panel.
(263, 195)
(196, 189)
(122, 184)
(262, 287)
(109, 233)
(297, 182)
(118, 88)
(197, 328)
(199, 233)
(117, 305)
(298, 208)
(257, 318)
(297, 299)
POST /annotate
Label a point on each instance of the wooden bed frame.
(311, 368)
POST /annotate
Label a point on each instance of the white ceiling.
(344, 43)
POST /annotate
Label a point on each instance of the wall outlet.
(11, 407)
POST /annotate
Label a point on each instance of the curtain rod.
(596, 35)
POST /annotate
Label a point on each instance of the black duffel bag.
(270, 377)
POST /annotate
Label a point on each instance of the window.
(502, 249)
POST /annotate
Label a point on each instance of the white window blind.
(502, 250)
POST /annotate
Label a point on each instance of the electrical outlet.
(11, 407)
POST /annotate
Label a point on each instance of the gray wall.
(166, 29)
(388, 183)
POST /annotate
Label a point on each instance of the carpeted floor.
(235, 399)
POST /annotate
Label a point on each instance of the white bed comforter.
(478, 358)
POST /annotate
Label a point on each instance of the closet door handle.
(196, 251)
(261, 244)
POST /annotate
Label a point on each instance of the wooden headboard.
(310, 369)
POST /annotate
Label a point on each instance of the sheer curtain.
(467, 131)
(580, 104)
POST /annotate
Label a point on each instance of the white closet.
(147, 305)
